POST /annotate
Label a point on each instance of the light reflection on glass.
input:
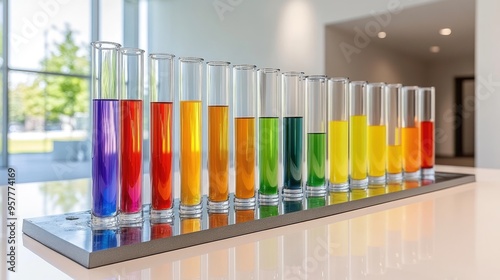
(410, 232)
(358, 246)
(376, 243)
(266, 211)
(357, 194)
(218, 261)
(293, 255)
(244, 215)
(245, 264)
(394, 239)
(338, 249)
(103, 239)
(131, 234)
(292, 206)
(317, 253)
(426, 224)
(376, 190)
(411, 184)
(190, 268)
(339, 197)
(315, 202)
(161, 229)
(64, 196)
(269, 259)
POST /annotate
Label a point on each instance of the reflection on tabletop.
(75, 229)
(396, 241)
(404, 239)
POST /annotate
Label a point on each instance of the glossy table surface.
(449, 234)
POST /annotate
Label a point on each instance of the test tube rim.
(191, 59)
(415, 88)
(377, 84)
(161, 56)
(397, 85)
(293, 73)
(244, 67)
(315, 77)
(426, 88)
(269, 70)
(131, 51)
(357, 83)
(99, 45)
(339, 79)
(218, 63)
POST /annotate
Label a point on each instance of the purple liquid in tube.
(105, 164)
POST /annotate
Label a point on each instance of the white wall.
(372, 64)
(379, 64)
(287, 34)
(264, 33)
(487, 84)
(441, 74)
(375, 63)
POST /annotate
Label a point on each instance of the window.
(48, 44)
(48, 79)
(36, 27)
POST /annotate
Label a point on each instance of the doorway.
(464, 117)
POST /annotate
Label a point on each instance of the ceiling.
(414, 30)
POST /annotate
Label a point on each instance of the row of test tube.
(369, 132)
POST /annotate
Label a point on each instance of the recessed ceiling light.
(382, 35)
(445, 31)
(434, 49)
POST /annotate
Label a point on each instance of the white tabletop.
(449, 234)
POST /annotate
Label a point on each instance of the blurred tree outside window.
(51, 102)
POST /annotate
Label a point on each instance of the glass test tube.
(244, 92)
(190, 74)
(358, 135)
(105, 141)
(410, 133)
(426, 118)
(269, 113)
(394, 160)
(161, 91)
(131, 130)
(292, 95)
(338, 133)
(316, 106)
(377, 133)
(218, 75)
